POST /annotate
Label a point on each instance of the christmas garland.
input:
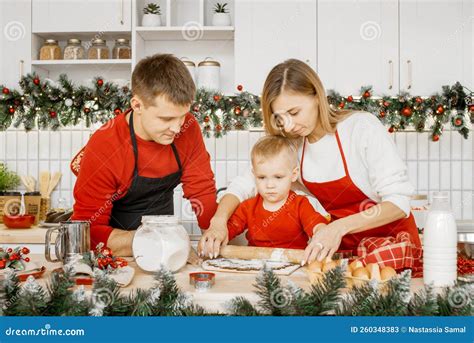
(164, 298)
(51, 105)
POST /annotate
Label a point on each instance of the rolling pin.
(271, 254)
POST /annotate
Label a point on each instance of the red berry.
(52, 114)
(366, 94)
(9, 250)
(391, 129)
(350, 98)
(216, 97)
(386, 103)
(100, 82)
(239, 88)
(25, 251)
(419, 100)
(218, 127)
(87, 110)
(5, 90)
(11, 110)
(27, 259)
(382, 114)
(435, 138)
(440, 109)
(341, 104)
(36, 81)
(458, 122)
(237, 110)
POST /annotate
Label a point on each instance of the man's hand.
(215, 237)
(120, 242)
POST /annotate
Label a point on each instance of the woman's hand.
(325, 242)
(215, 237)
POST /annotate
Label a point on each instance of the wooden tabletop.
(32, 235)
(226, 287)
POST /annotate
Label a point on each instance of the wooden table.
(226, 287)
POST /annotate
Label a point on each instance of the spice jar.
(161, 241)
(98, 50)
(209, 74)
(122, 49)
(50, 50)
(74, 50)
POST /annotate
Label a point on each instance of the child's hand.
(325, 242)
(213, 238)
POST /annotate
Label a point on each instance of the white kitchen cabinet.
(82, 16)
(269, 32)
(15, 41)
(436, 44)
(358, 45)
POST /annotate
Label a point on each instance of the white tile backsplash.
(445, 165)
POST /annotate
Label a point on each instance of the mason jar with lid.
(74, 50)
(191, 67)
(161, 241)
(122, 49)
(98, 50)
(209, 74)
(50, 50)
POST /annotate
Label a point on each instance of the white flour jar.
(161, 241)
(209, 74)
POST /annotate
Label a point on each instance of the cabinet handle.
(409, 67)
(22, 63)
(121, 12)
(390, 76)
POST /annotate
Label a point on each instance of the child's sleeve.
(309, 217)
(237, 223)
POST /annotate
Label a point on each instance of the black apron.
(146, 196)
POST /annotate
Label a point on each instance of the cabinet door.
(436, 44)
(358, 45)
(269, 32)
(15, 41)
(81, 15)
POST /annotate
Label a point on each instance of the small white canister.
(209, 72)
(161, 241)
(191, 67)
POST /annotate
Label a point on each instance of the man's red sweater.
(106, 172)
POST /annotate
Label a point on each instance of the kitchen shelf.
(179, 33)
(81, 62)
(83, 35)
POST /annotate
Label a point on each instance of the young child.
(277, 217)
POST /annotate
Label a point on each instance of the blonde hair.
(297, 76)
(271, 146)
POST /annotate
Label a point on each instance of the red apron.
(342, 198)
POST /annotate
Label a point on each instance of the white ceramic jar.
(209, 74)
(191, 67)
(161, 241)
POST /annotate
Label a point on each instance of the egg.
(329, 265)
(361, 273)
(354, 265)
(374, 271)
(387, 273)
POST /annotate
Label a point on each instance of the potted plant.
(221, 16)
(8, 181)
(152, 15)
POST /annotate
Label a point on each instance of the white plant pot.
(151, 20)
(221, 19)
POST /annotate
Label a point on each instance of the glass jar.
(74, 50)
(161, 241)
(50, 50)
(466, 253)
(98, 50)
(122, 49)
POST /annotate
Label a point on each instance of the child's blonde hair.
(270, 146)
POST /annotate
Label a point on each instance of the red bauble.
(217, 97)
(100, 82)
(206, 119)
(386, 103)
(218, 127)
(5, 90)
(87, 109)
(350, 98)
(458, 122)
(366, 94)
(14, 257)
(52, 114)
(117, 111)
(391, 129)
(406, 111)
(237, 110)
(240, 88)
(440, 109)
(36, 81)
(382, 114)
(25, 251)
(419, 100)
(11, 110)
(341, 104)
(3, 264)
(435, 138)
(27, 259)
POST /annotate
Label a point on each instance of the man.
(131, 166)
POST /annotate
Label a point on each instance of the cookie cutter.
(202, 281)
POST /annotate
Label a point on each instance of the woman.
(347, 161)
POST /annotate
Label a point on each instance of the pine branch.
(240, 306)
(423, 303)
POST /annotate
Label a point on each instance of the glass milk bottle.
(440, 243)
(161, 241)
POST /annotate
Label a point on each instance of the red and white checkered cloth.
(397, 252)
